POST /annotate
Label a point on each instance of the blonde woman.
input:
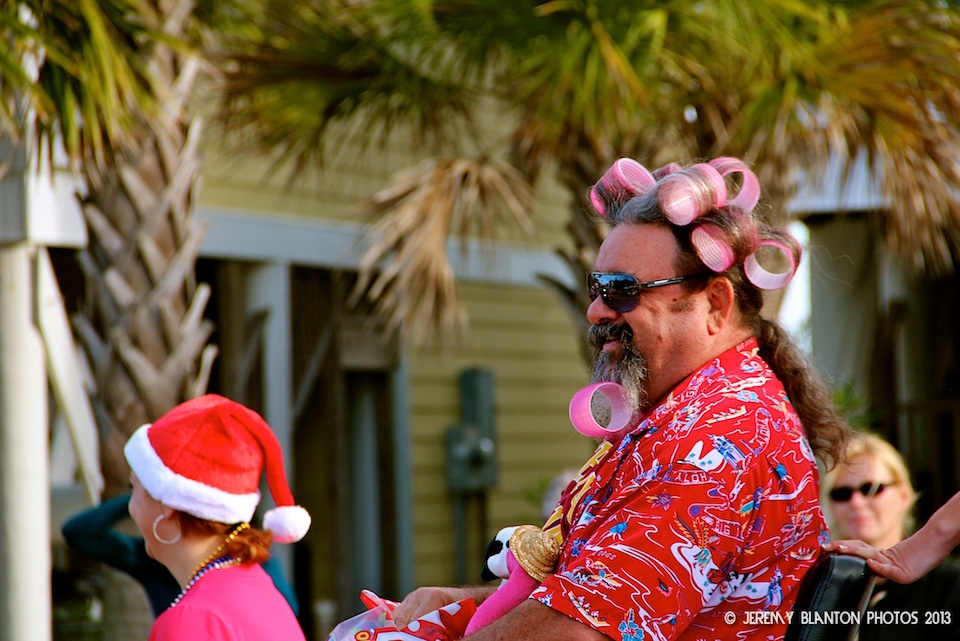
(917, 554)
(870, 497)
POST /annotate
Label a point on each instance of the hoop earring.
(160, 538)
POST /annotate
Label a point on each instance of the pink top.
(230, 604)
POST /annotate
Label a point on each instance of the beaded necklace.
(214, 561)
(224, 561)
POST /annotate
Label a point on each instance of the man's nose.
(598, 311)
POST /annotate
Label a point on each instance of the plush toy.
(522, 555)
(495, 558)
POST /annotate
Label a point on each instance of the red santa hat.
(205, 457)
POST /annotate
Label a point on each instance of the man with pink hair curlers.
(699, 510)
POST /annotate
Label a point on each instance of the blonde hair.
(870, 445)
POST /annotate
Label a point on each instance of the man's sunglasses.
(621, 292)
(844, 493)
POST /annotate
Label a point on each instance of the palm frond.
(405, 268)
(882, 83)
(786, 84)
(331, 64)
(74, 65)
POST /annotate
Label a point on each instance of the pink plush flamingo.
(524, 561)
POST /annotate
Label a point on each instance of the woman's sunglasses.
(621, 292)
(844, 493)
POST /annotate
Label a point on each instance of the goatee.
(626, 366)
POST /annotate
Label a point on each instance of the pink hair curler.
(666, 170)
(713, 247)
(683, 197)
(597, 201)
(632, 175)
(581, 410)
(625, 175)
(749, 194)
(762, 277)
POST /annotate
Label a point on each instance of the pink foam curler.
(632, 174)
(597, 201)
(666, 170)
(762, 277)
(624, 175)
(716, 181)
(713, 247)
(581, 410)
(749, 194)
(678, 202)
(682, 200)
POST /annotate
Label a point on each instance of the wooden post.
(25, 559)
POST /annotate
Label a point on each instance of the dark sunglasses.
(844, 493)
(621, 292)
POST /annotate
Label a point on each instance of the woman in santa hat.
(195, 474)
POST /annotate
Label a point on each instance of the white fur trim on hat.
(182, 493)
(289, 523)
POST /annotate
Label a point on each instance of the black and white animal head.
(495, 558)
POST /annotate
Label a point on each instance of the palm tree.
(784, 85)
(110, 82)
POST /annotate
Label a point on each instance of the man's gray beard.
(628, 369)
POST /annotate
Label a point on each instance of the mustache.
(600, 334)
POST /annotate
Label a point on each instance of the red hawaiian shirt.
(701, 522)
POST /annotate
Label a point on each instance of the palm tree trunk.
(142, 322)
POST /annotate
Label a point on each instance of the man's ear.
(722, 302)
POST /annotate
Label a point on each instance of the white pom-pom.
(289, 523)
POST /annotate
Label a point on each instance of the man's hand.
(424, 600)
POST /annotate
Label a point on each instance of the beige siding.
(251, 185)
(521, 333)
(525, 338)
